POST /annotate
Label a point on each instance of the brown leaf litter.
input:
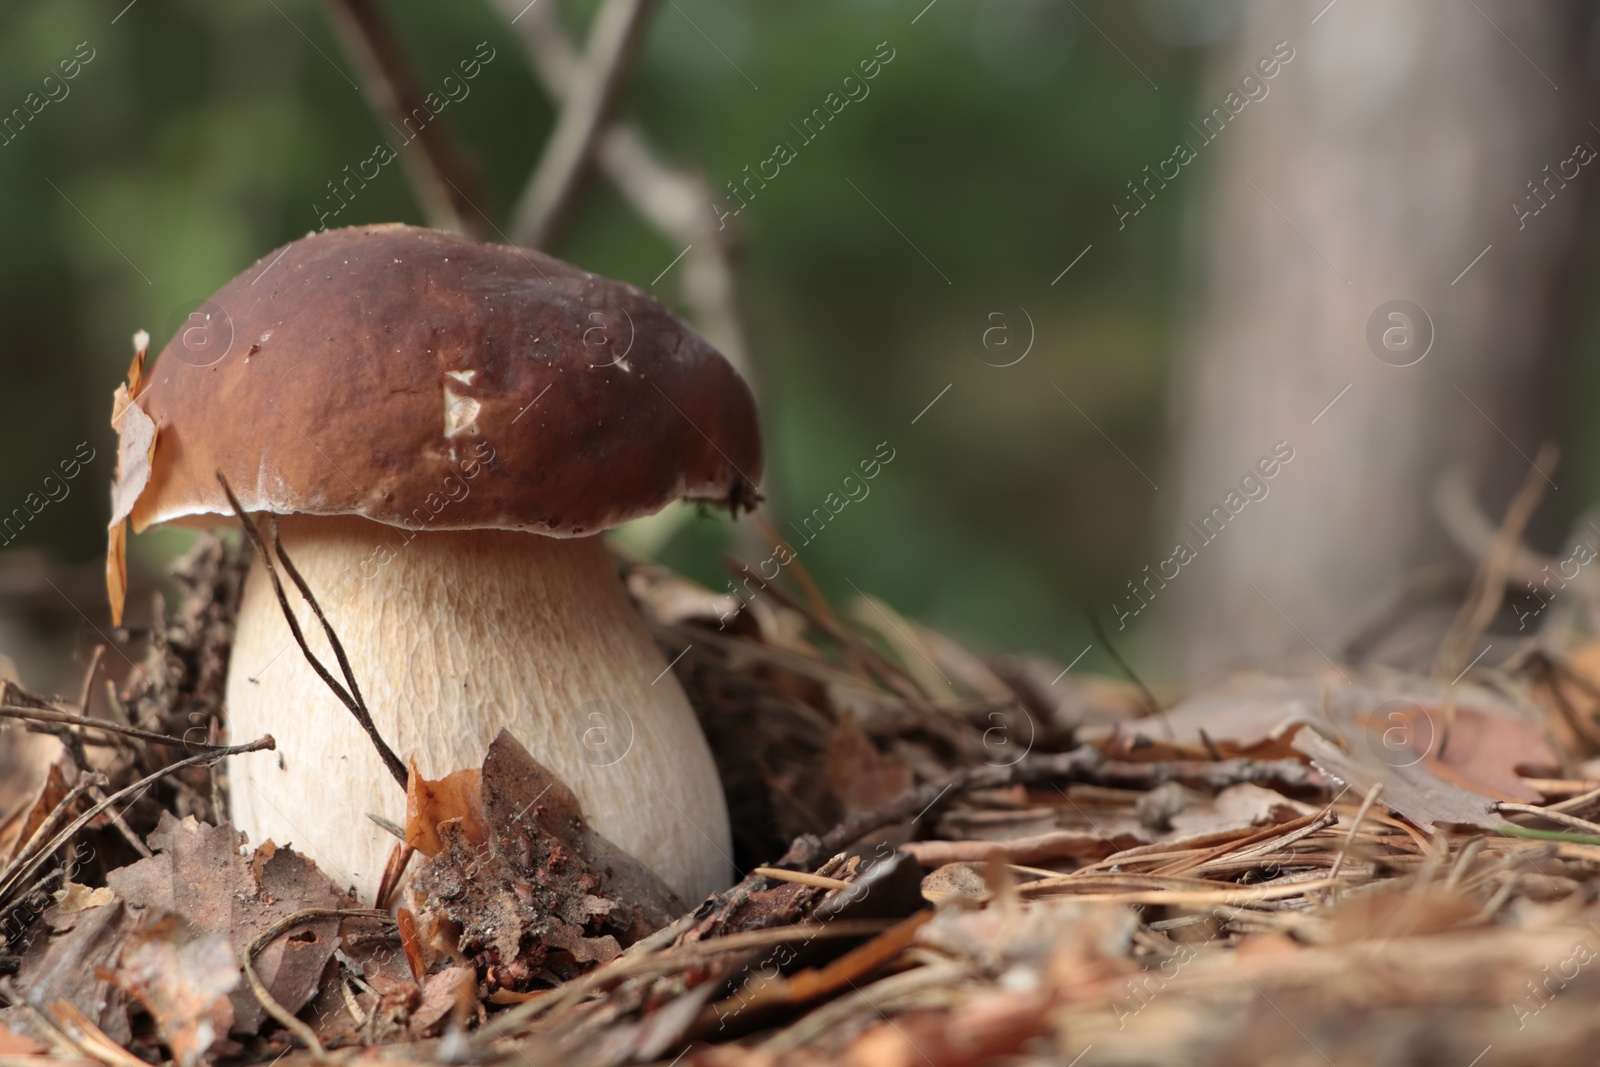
(950, 861)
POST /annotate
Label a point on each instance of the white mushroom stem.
(453, 635)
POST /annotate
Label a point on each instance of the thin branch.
(351, 699)
(1152, 705)
(1558, 817)
(60, 839)
(30, 849)
(591, 90)
(334, 642)
(1488, 589)
(675, 202)
(437, 172)
(46, 715)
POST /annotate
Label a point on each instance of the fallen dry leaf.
(548, 894)
(448, 994)
(136, 448)
(199, 874)
(183, 981)
(863, 778)
(1479, 751)
(74, 897)
(1236, 807)
(432, 802)
(67, 963)
(1410, 789)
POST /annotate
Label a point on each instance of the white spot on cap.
(463, 376)
(460, 414)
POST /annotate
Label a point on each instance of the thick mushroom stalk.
(444, 427)
(452, 635)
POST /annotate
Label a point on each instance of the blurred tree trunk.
(1385, 159)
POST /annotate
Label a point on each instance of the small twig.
(1151, 703)
(1458, 512)
(122, 826)
(1350, 837)
(350, 700)
(1559, 817)
(1464, 861)
(8, 882)
(666, 962)
(817, 881)
(1581, 802)
(1489, 583)
(306, 1035)
(87, 689)
(587, 100)
(30, 848)
(64, 718)
(392, 761)
(437, 172)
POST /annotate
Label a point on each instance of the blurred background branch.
(443, 183)
(585, 86)
(591, 87)
(675, 202)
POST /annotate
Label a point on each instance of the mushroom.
(442, 430)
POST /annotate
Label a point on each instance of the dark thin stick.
(396, 767)
(1116, 657)
(48, 715)
(363, 715)
(299, 1029)
(350, 701)
(17, 874)
(28, 894)
(122, 826)
(437, 172)
(588, 99)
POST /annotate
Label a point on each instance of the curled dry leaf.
(448, 995)
(431, 803)
(136, 449)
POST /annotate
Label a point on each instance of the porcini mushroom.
(444, 428)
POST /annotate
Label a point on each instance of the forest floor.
(948, 859)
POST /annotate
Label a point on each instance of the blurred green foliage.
(201, 134)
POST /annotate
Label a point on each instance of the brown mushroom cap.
(426, 381)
